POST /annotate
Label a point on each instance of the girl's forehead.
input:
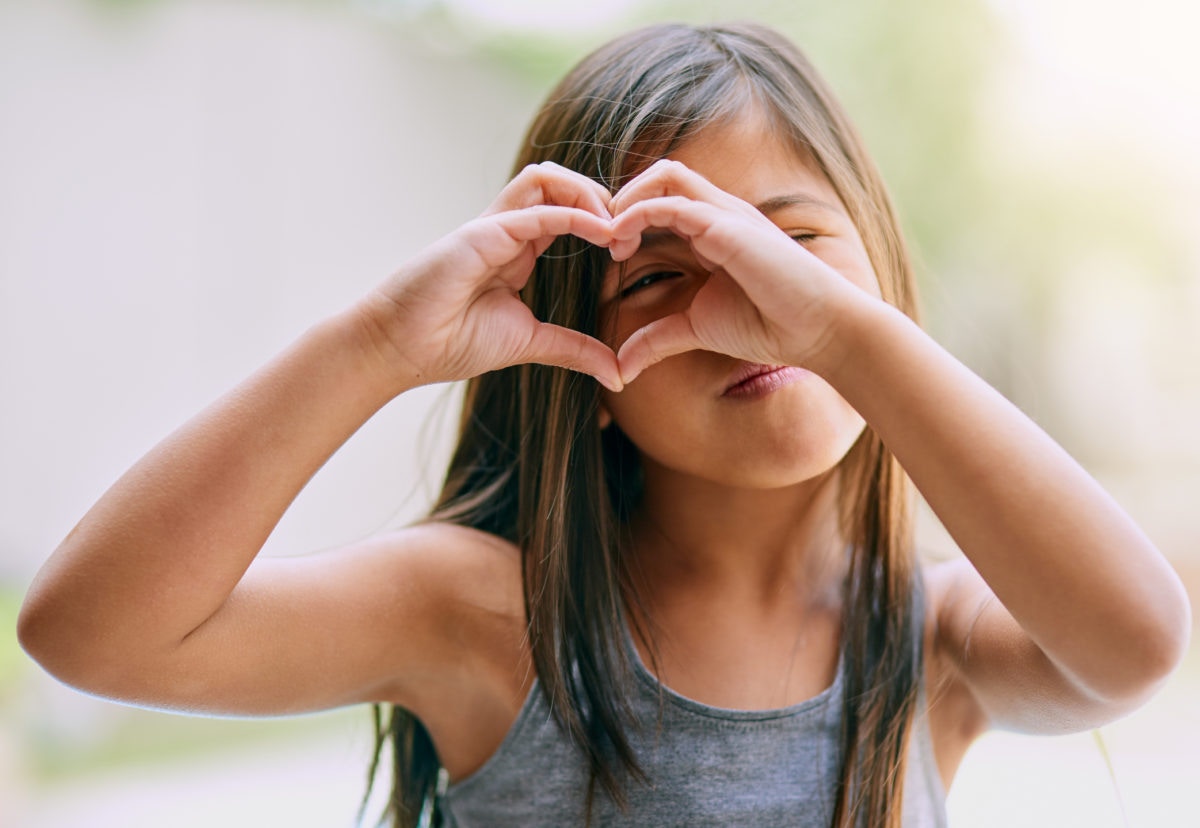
(746, 156)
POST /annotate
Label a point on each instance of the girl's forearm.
(165, 546)
(161, 552)
(1067, 562)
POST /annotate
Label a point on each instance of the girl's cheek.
(633, 320)
(865, 278)
(855, 264)
(854, 267)
(627, 315)
(629, 325)
(664, 298)
(611, 330)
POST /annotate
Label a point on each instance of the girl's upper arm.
(990, 661)
(380, 620)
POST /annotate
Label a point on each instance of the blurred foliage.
(133, 736)
(12, 660)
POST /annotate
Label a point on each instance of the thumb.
(655, 342)
(565, 348)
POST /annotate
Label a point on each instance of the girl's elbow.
(41, 635)
(35, 630)
(62, 647)
(1175, 636)
(1159, 650)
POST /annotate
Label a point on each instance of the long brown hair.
(533, 466)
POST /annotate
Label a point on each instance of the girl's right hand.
(454, 311)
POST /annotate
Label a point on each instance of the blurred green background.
(186, 185)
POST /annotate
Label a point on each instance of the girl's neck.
(694, 537)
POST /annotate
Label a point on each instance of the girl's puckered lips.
(756, 380)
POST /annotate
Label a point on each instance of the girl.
(683, 592)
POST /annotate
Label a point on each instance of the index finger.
(499, 237)
(551, 184)
(667, 177)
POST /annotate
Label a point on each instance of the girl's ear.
(604, 417)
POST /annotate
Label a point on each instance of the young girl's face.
(680, 413)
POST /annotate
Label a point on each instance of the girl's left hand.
(767, 298)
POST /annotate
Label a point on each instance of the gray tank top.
(708, 766)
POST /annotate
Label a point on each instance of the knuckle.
(546, 171)
(529, 171)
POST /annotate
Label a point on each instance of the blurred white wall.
(184, 188)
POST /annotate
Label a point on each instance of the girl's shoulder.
(441, 581)
(464, 564)
(469, 690)
(472, 590)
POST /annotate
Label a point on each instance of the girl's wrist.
(359, 344)
(858, 322)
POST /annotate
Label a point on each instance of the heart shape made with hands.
(755, 304)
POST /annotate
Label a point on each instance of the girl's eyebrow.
(779, 202)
